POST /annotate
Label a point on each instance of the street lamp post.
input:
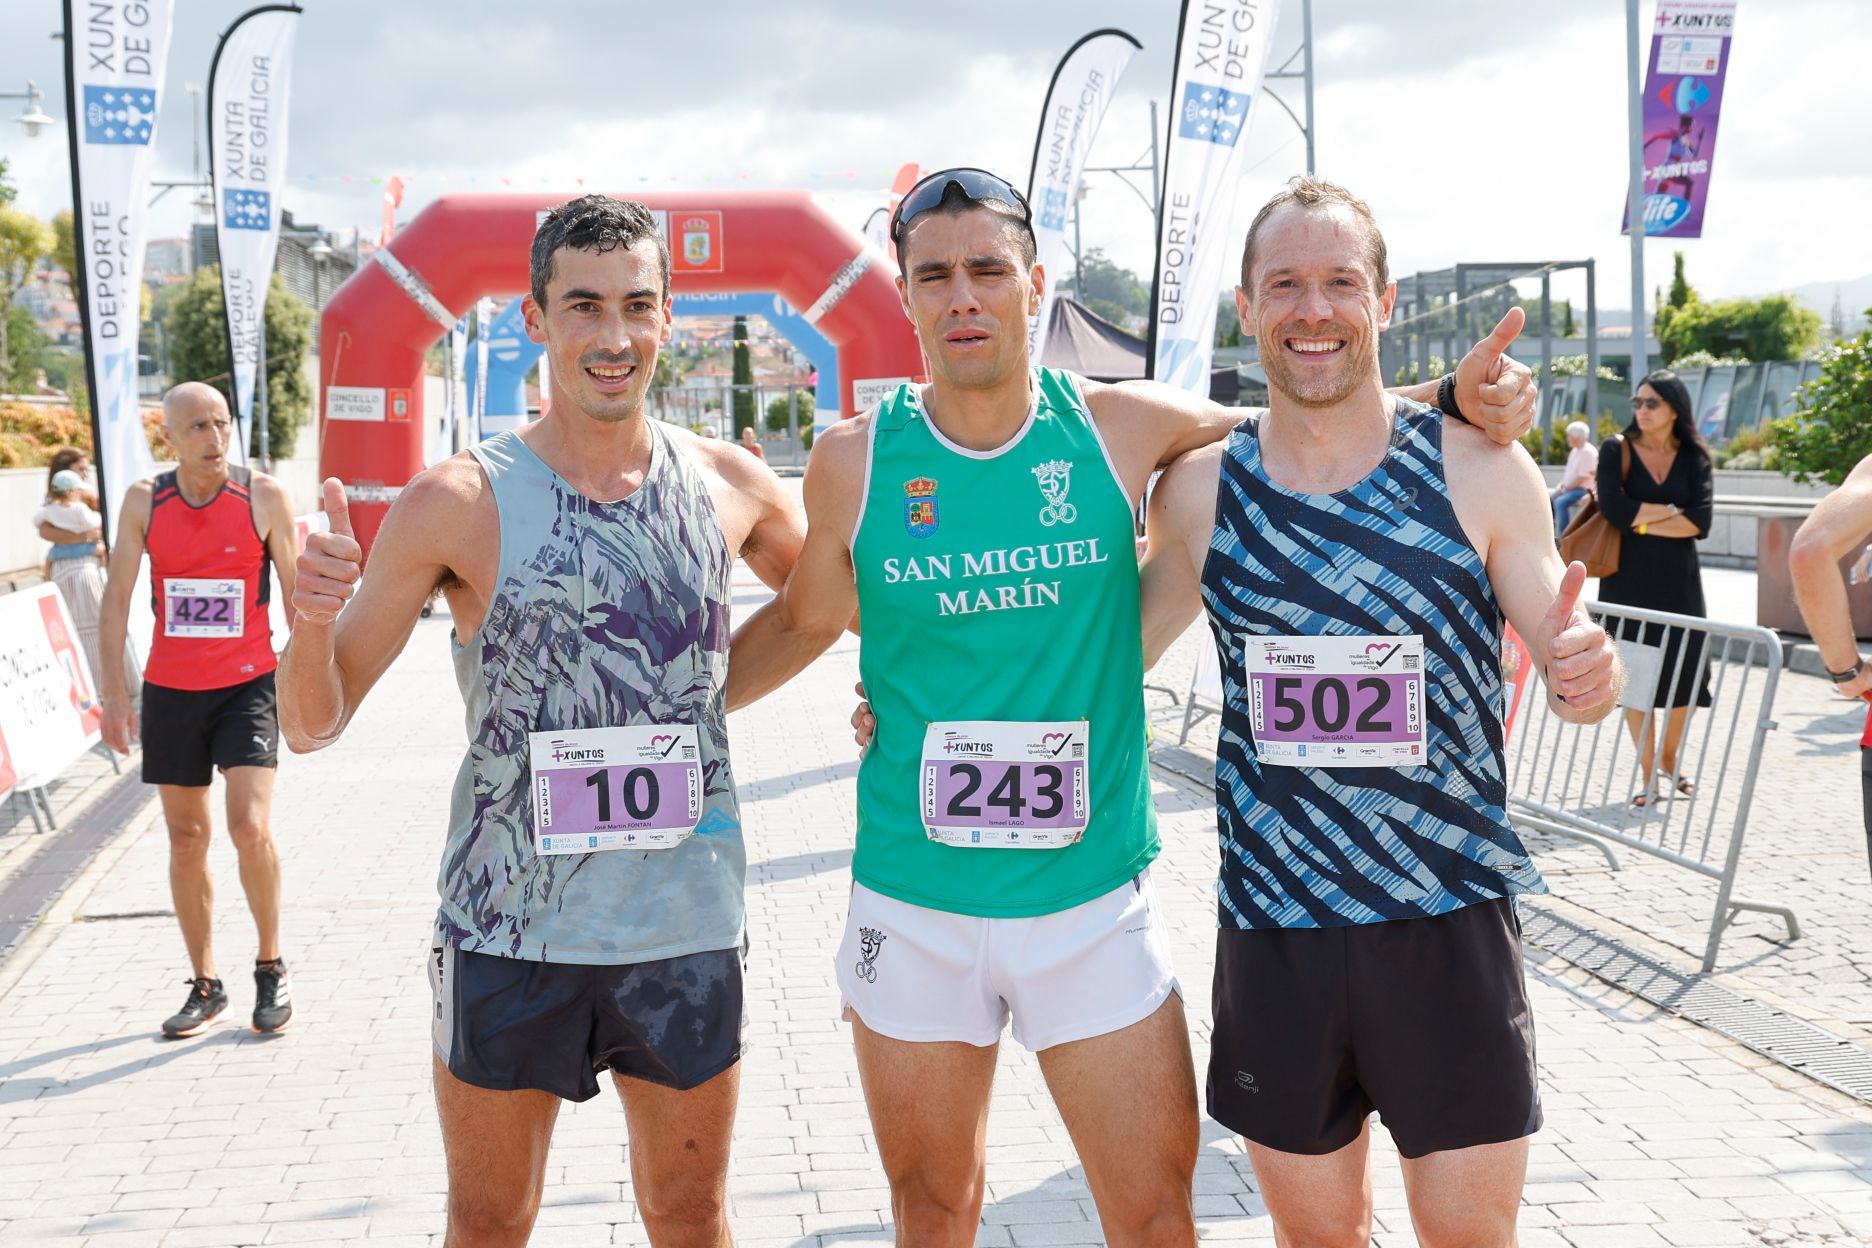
(34, 119)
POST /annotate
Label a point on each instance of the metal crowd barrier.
(1577, 780)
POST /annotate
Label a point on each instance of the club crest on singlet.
(1055, 478)
(920, 507)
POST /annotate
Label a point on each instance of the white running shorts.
(913, 973)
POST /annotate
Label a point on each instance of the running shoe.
(272, 997)
(206, 999)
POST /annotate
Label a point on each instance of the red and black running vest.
(208, 588)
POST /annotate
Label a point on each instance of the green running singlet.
(999, 585)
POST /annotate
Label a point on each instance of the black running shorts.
(187, 733)
(1424, 1020)
(509, 1023)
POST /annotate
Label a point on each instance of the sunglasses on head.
(978, 184)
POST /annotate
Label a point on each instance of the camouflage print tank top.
(604, 614)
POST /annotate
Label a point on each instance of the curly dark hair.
(594, 223)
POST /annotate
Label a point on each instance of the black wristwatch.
(1446, 399)
(1851, 673)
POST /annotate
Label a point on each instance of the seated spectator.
(1582, 462)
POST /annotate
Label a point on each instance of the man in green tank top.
(982, 529)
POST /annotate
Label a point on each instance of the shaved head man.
(210, 530)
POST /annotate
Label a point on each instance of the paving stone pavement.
(1658, 1133)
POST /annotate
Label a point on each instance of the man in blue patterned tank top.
(591, 912)
(1356, 557)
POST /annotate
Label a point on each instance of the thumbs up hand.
(1495, 392)
(330, 565)
(1582, 661)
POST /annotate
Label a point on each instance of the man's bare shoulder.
(449, 491)
(728, 461)
(271, 491)
(1201, 464)
(1497, 477)
(1465, 441)
(1467, 448)
(1188, 485)
(840, 452)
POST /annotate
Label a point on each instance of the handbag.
(1592, 539)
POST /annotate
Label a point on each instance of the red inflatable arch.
(379, 324)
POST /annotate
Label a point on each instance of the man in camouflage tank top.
(591, 885)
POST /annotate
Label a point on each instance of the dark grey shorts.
(508, 1024)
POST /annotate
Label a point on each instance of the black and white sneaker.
(272, 997)
(206, 1000)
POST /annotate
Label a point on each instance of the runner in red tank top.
(208, 586)
(208, 701)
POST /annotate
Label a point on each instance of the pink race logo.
(1051, 737)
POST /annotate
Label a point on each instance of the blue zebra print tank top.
(604, 614)
(1317, 846)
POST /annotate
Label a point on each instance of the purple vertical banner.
(1682, 101)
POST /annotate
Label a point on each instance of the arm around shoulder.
(1178, 528)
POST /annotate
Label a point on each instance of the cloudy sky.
(1479, 131)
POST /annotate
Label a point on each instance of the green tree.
(66, 371)
(25, 240)
(8, 192)
(1111, 290)
(743, 378)
(1777, 327)
(777, 411)
(27, 345)
(1681, 293)
(1831, 428)
(198, 351)
(65, 242)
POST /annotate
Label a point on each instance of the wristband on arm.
(1446, 399)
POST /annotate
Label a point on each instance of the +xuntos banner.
(1682, 99)
(1222, 51)
(115, 58)
(248, 89)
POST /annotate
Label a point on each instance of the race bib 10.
(1003, 784)
(1336, 701)
(615, 788)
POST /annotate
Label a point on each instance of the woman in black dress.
(1663, 506)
